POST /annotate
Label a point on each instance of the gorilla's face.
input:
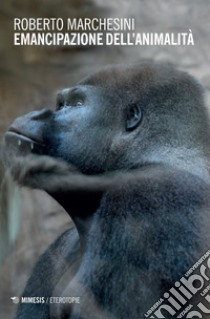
(83, 127)
(81, 130)
(97, 125)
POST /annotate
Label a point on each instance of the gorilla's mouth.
(23, 144)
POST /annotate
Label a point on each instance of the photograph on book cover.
(104, 166)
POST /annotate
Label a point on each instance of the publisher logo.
(15, 299)
(193, 286)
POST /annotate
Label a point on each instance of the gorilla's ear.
(133, 116)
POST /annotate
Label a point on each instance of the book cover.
(111, 99)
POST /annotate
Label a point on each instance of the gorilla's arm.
(56, 176)
(63, 256)
(147, 227)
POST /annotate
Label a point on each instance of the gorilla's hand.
(56, 176)
(34, 170)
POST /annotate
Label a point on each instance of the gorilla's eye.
(70, 98)
(76, 98)
(75, 103)
(78, 103)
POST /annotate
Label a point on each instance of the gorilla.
(126, 153)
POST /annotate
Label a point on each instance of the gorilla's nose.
(43, 114)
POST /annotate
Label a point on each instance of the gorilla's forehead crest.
(166, 96)
(144, 76)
